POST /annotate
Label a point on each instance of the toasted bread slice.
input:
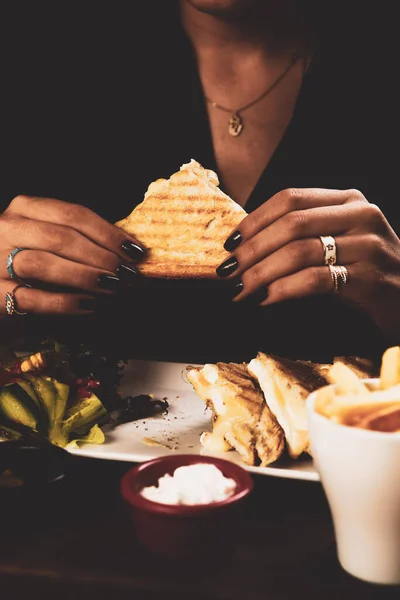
(183, 223)
(270, 438)
(241, 419)
(362, 367)
(286, 385)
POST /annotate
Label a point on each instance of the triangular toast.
(183, 223)
(286, 385)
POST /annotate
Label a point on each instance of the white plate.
(177, 431)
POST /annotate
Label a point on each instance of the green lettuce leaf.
(95, 436)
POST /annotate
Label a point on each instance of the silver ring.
(10, 259)
(11, 303)
(339, 276)
(329, 246)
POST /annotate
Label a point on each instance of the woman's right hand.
(65, 246)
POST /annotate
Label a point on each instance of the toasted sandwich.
(286, 385)
(259, 408)
(241, 418)
(183, 223)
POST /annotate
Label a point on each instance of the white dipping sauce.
(201, 483)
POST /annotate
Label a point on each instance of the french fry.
(350, 409)
(390, 368)
(348, 401)
(325, 401)
(346, 381)
(334, 406)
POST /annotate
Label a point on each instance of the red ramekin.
(181, 530)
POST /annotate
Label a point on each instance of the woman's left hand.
(277, 249)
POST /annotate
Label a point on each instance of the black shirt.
(98, 104)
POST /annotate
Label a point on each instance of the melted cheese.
(232, 412)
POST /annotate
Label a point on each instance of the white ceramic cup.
(360, 474)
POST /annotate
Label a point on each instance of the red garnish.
(16, 367)
(93, 384)
(85, 385)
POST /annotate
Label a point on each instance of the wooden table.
(74, 540)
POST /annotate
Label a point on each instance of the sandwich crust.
(183, 223)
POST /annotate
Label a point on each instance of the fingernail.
(87, 304)
(109, 282)
(133, 250)
(237, 289)
(233, 241)
(227, 267)
(127, 274)
(261, 295)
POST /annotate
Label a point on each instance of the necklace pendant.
(235, 125)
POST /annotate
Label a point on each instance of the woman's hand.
(278, 249)
(65, 247)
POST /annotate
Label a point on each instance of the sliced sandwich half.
(241, 418)
(286, 385)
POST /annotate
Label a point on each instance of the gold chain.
(236, 124)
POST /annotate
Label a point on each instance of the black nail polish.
(109, 282)
(233, 241)
(227, 267)
(133, 250)
(237, 289)
(127, 274)
(260, 295)
(87, 304)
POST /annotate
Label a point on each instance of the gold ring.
(339, 275)
(329, 246)
(11, 303)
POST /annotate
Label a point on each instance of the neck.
(276, 28)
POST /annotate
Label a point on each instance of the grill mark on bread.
(171, 273)
(363, 367)
(305, 374)
(238, 374)
(208, 248)
(189, 210)
(270, 438)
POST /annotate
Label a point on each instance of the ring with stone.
(10, 268)
(11, 303)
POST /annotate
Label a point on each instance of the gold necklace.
(236, 123)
